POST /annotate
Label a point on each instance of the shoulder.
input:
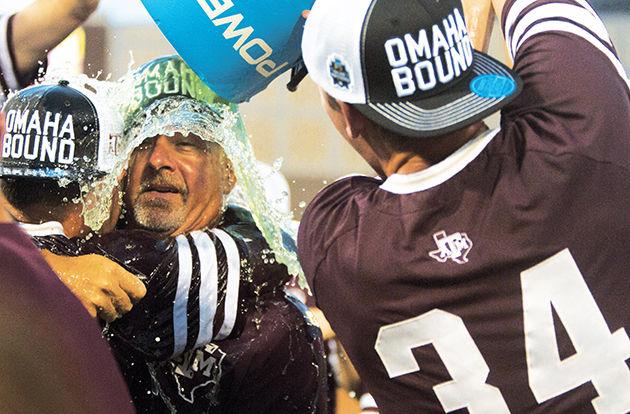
(136, 250)
(342, 195)
(332, 213)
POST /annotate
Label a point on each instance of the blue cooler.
(237, 47)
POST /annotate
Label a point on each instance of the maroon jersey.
(64, 348)
(270, 358)
(276, 365)
(497, 280)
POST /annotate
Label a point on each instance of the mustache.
(163, 183)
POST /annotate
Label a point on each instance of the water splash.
(216, 122)
(222, 124)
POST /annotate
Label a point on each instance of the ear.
(354, 120)
(230, 178)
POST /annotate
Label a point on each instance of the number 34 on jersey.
(600, 355)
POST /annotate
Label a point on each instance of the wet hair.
(26, 193)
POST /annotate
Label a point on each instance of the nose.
(162, 154)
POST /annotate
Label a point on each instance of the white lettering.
(171, 75)
(244, 52)
(264, 66)
(219, 7)
(152, 89)
(229, 33)
(48, 149)
(21, 120)
(452, 33)
(268, 67)
(403, 81)
(428, 82)
(67, 129)
(17, 146)
(439, 41)
(34, 124)
(418, 48)
(6, 144)
(10, 119)
(48, 124)
(448, 76)
(459, 60)
(66, 151)
(396, 52)
(32, 154)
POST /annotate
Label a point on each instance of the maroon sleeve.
(53, 357)
(575, 88)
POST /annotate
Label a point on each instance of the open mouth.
(163, 189)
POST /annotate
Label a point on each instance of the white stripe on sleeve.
(559, 11)
(234, 273)
(180, 307)
(515, 11)
(208, 286)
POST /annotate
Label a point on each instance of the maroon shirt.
(466, 287)
(67, 365)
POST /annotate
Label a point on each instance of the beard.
(161, 213)
(158, 215)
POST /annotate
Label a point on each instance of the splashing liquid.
(216, 122)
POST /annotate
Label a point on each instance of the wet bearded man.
(178, 183)
(169, 184)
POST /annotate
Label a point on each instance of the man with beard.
(177, 182)
(212, 284)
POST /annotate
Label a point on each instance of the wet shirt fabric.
(466, 287)
(10, 80)
(219, 285)
(32, 293)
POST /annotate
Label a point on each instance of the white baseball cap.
(407, 65)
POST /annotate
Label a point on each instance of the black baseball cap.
(407, 65)
(58, 131)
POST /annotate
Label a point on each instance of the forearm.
(480, 20)
(42, 25)
(498, 5)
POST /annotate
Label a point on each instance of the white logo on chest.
(455, 247)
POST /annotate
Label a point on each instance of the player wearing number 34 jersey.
(488, 271)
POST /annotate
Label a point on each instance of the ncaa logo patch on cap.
(339, 72)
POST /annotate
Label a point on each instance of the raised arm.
(41, 26)
(498, 6)
(480, 20)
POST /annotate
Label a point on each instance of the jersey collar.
(50, 228)
(440, 172)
